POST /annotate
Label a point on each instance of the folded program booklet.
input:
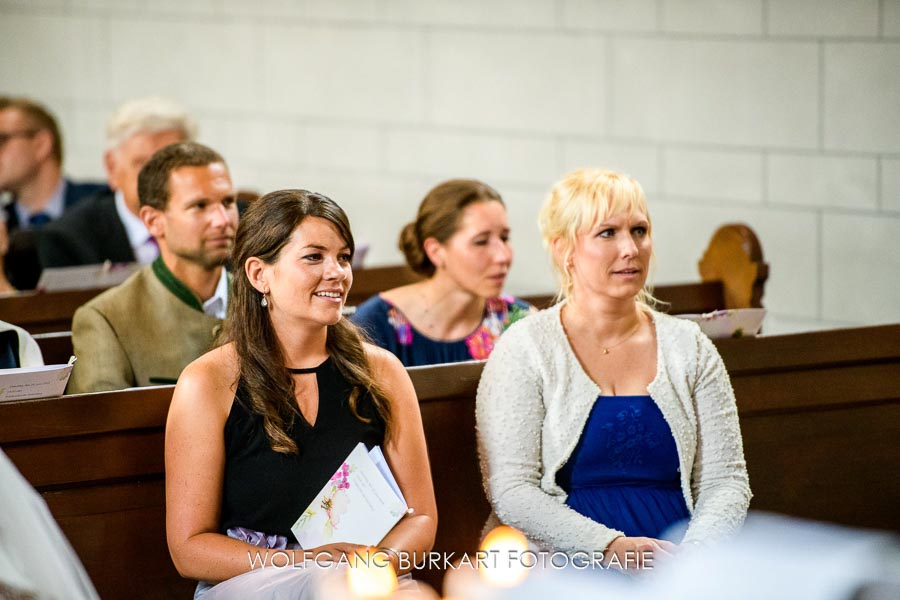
(33, 382)
(360, 504)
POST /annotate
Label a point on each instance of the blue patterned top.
(389, 328)
(624, 471)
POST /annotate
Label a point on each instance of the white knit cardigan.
(534, 399)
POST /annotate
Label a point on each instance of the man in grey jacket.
(148, 329)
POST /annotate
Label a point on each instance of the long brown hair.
(264, 230)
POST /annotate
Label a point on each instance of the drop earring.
(264, 302)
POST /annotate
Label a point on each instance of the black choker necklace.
(307, 370)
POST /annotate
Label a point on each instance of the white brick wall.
(712, 16)
(223, 79)
(891, 21)
(733, 176)
(53, 57)
(473, 13)
(814, 180)
(716, 92)
(340, 73)
(610, 15)
(493, 158)
(860, 266)
(518, 81)
(890, 185)
(823, 17)
(781, 113)
(862, 96)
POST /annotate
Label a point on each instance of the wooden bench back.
(97, 459)
(732, 269)
(820, 416)
(41, 312)
(56, 347)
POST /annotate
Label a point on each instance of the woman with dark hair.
(460, 242)
(259, 425)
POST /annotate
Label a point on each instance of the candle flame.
(372, 579)
(504, 566)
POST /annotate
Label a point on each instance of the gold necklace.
(606, 349)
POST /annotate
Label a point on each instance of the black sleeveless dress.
(266, 491)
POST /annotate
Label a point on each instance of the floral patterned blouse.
(389, 328)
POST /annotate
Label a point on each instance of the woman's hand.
(632, 553)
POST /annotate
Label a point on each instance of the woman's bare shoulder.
(381, 360)
(386, 368)
(210, 380)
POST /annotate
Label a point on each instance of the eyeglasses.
(5, 137)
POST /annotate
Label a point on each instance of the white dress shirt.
(143, 244)
(215, 306)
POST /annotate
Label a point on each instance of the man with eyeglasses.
(33, 191)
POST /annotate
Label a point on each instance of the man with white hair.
(107, 226)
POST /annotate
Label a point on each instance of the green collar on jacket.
(174, 285)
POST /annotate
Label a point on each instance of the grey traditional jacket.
(143, 332)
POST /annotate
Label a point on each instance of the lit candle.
(497, 567)
(504, 567)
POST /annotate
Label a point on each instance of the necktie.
(38, 220)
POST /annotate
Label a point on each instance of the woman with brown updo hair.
(460, 242)
(259, 425)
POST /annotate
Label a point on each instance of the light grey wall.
(784, 114)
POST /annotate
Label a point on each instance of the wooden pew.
(732, 269)
(56, 347)
(42, 312)
(820, 418)
(97, 459)
(370, 281)
(45, 312)
(820, 413)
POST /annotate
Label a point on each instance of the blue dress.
(389, 328)
(624, 471)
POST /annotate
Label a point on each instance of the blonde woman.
(602, 422)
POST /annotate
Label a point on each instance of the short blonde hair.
(576, 203)
(152, 114)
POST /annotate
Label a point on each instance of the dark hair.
(153, 180)
(439, 216)
(265, 228)
(39, 119)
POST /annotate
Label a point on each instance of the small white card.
(33, 382)
(360, 504)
